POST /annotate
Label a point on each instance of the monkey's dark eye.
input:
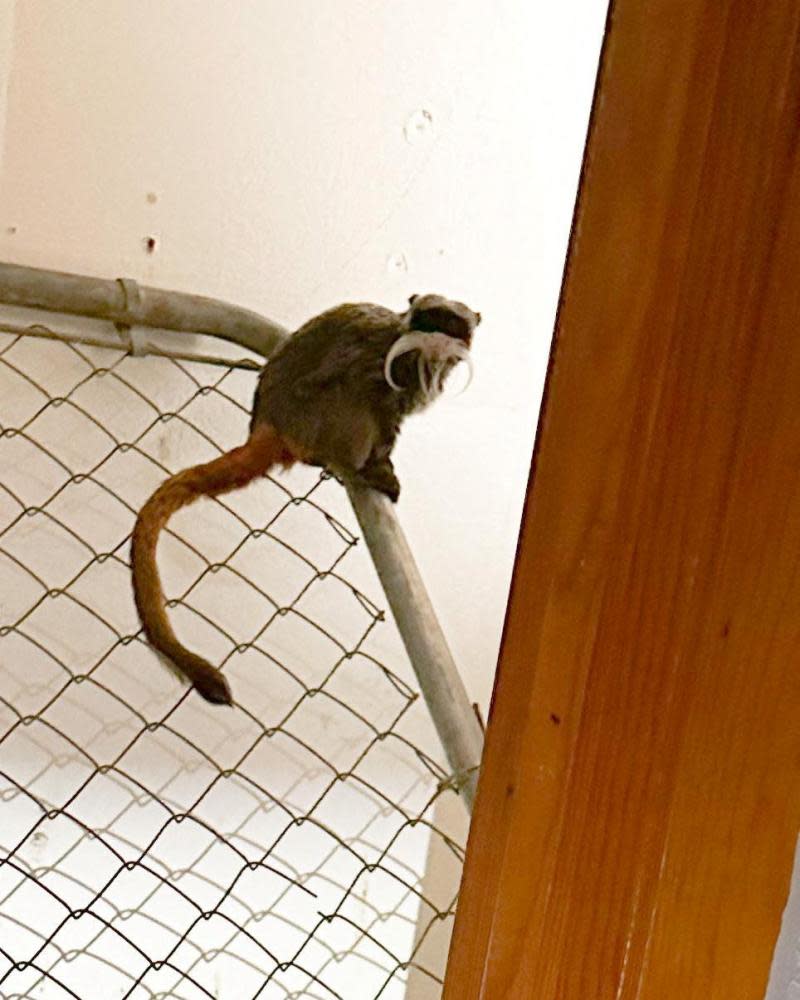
(412, 299)
(477, 318)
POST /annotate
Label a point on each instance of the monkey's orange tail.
(263, 450)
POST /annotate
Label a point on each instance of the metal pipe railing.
(442, 688)
(123, 301)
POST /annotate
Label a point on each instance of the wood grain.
(640, 798)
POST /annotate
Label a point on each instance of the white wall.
(6, 43)
(273, 137)
(784, 981)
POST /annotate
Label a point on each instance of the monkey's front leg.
(380, 475)
(378, 471)
(355, 448)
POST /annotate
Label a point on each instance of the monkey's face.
(436, 314)
(439, 333)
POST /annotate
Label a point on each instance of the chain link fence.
(152, 846)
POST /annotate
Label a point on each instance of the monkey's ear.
(412, 299)
(477, 319)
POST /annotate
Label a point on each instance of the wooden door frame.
(640, 797)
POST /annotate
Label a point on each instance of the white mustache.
(436, 352)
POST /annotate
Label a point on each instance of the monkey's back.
(335, 360)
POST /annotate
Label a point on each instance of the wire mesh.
(152, 846)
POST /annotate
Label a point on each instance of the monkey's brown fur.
(322, 399)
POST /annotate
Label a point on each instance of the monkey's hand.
(380, 475)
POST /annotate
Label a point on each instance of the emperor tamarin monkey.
(334, 394)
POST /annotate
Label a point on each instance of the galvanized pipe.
(124, 301)
(453, 716)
